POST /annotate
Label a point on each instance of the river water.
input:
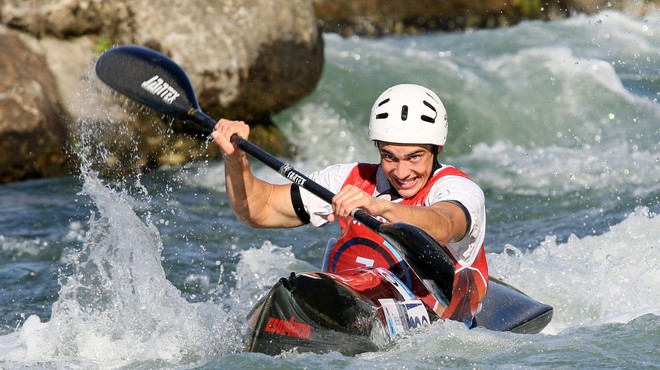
(558, 122)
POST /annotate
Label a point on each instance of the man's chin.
(407, 192)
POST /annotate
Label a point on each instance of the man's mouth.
(406, 184)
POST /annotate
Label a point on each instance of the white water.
(558, 122)
(118, 308)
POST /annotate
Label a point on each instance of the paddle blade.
(149, 78)
(424, 255)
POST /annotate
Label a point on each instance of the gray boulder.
(32, 124)
(247, 59)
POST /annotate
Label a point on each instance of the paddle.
(154, 80)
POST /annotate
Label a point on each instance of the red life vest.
(359, 246)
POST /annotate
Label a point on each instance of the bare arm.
(255, 202)
(444, 221)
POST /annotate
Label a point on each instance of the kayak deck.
(317, 312)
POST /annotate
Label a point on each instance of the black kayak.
(364, 309)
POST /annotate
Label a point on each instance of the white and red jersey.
(450, 185)
(358, 246)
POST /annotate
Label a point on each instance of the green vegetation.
(528, 8)
(102, 44)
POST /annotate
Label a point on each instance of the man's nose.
(402, 169)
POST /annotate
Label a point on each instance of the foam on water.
(118, 307)
(557, 170)
(259, 269)
(608, 278)
(536, 85)
(594, 284)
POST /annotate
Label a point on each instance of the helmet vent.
(426, 118)
(382, 116)
(404, 113)
(383, 102)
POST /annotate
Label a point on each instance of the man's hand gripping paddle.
(154, 80)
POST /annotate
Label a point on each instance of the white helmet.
(408, 114)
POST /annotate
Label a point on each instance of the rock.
(247, 59)
(63, 18)
(379, 18)
(32, 124)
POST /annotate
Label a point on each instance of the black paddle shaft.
(156, 81)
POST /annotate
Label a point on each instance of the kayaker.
(408, 125)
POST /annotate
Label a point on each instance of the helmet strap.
(435, 150)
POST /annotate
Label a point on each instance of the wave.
(117, 307)
(583, 83)
(609, 278)
(555, 171)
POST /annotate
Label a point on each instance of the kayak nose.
(290, 282)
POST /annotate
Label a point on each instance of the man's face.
(408, 167)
